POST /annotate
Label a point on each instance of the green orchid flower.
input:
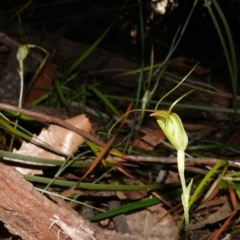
(172, 127)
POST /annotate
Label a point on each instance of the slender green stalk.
(172, 127)
(186, 189)
(21, 55)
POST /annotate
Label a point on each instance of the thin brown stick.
(165, 160)
(53, 120)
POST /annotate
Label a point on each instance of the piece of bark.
(31, 215)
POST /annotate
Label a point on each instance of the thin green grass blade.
(145, 69)
(232, 64)
(21, 116)
(137, 205)
(174, 42)
(180, 105)
(66, 164)
(127, 208)
(105, 100)
(14, 130)
(216, 182)
(140, 79)
(39, 100)
(30, 159)
(91, 186)
(230, 55)
(201, 185)
(67, 199)
(86, 53)
(58, 87)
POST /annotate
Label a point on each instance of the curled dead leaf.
(58, 138)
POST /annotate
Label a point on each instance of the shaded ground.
(143, 152)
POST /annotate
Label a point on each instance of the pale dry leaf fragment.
(72, 232)
(152, 222)
(222, 213)
(58, 138)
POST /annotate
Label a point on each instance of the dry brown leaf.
(43, 81)
(56, 137)
(184, 65)
(172, 177)
(193, 127)
(152, 222)
(151, 140)
(133, 195)
(222, 213)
